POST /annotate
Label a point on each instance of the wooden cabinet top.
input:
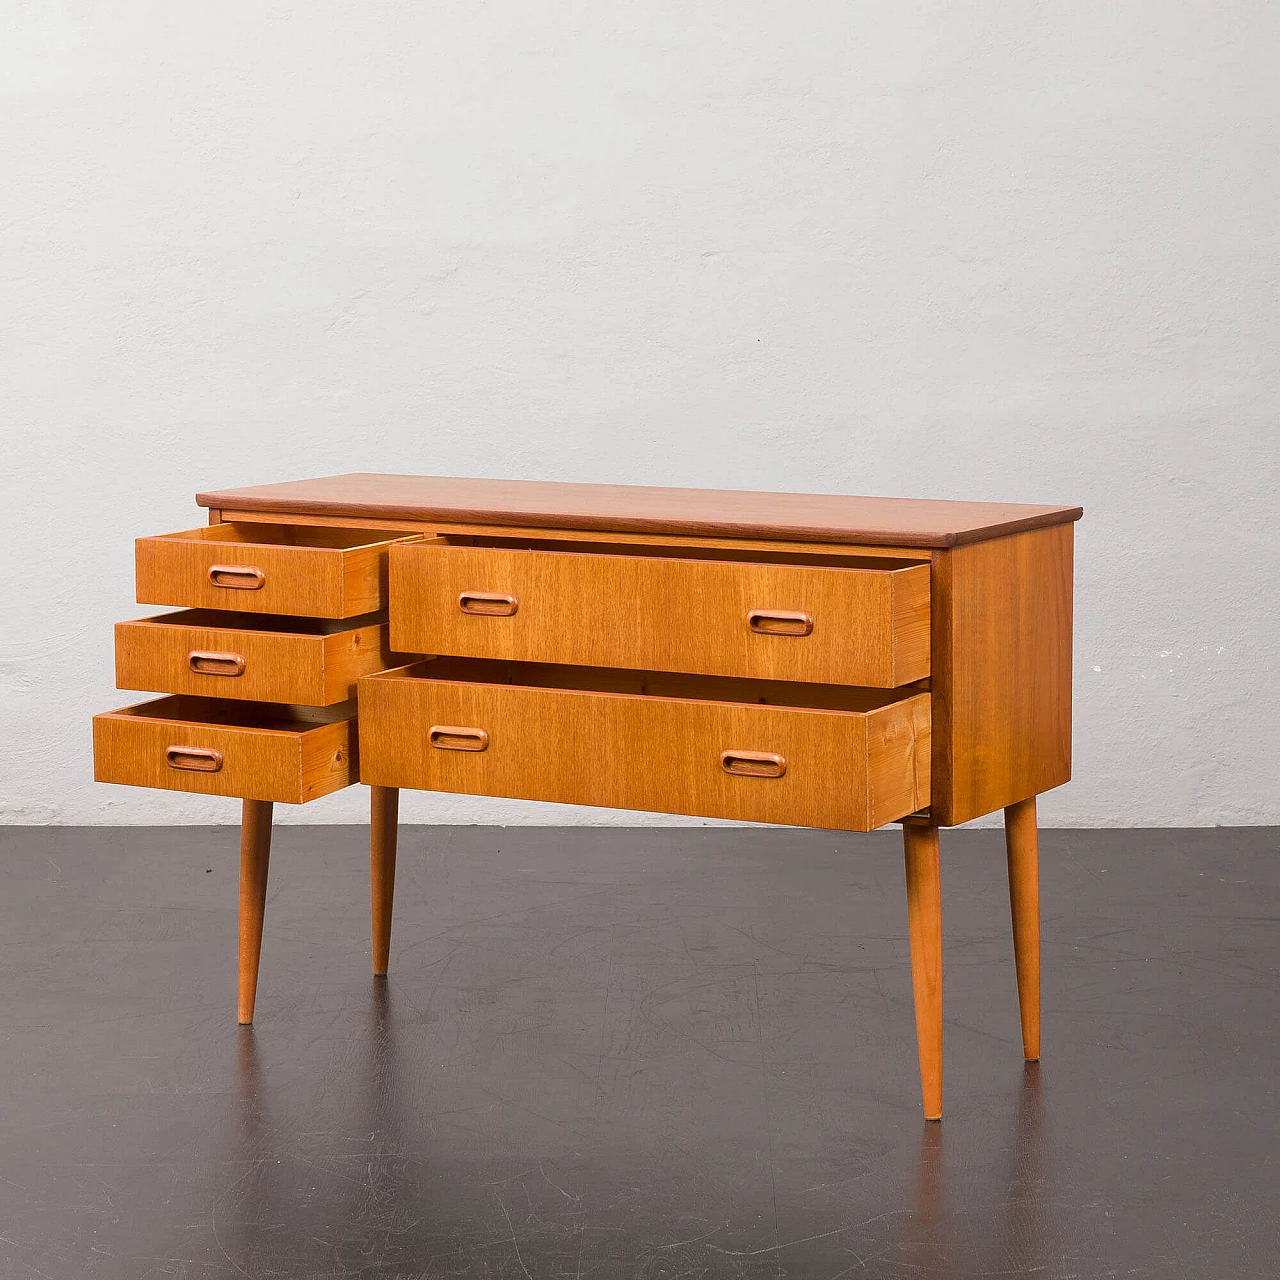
(616, 508)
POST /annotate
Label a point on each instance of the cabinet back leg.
(255, 853)
(1022, 845)
(384, 812)
(924, 926)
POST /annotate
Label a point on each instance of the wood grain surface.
(255, 860)
(1002, 618)
(384, 810)
(1022, 847)
(869, 626)
(911, 522)
(268, 752)
(924, 931)
(579, 744)
(306, 571)
(282, 659)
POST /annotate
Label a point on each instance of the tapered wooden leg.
(924, 925)
(1023, 847)
(255, 853)
(384, 809)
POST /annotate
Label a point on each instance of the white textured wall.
(1021, 251)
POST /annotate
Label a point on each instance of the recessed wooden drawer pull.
(753, 764)
(490, 604)
(448, 737)
(240, 577)
(779, 622)
(206, 663)
(193, 759)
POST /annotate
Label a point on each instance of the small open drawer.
(271, 658)
(838, 618)
(255, 750)
(720, 747)
(302, 570)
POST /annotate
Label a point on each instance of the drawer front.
(143, 747)
(228, 662)
(223, 567)
(851, 771)
(773, 621)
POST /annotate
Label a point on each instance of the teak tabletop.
(621, 508)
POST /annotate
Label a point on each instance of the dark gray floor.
(648, 1053)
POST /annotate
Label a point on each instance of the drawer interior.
(746, 555)
(277, 623)
(182, 708)
(287, 535)
(651, 684)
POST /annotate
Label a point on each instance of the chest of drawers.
(820, 661)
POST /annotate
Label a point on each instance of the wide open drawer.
(311, 661)
(301, 570)
(842, 619)
(761, 751)
(260, 751)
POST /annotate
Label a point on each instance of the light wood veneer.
(838, 619)
(835, 518)
(269, 659)
(291, 569)
(255, 750)
(654, 742)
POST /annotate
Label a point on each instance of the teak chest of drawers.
(822, 661)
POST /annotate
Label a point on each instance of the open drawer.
(302, 570)
(312, 661)
(756, 750)
(255, 750)
(833, 618)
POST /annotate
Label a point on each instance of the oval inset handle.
(489, 604)
(204, 663)
(193, 759)
(238, 577)
(449, 737)
(753, 764)
(779, 622)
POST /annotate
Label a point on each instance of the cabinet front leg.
(255, 853)
(924, 925)
(384, 811)
(1023, 847)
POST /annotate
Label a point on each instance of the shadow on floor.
(646, 1052)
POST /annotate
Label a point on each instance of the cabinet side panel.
(911, 630)
(1001, 672)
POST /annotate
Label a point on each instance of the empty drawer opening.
(655, 684)
(651, 551)
(289, 535)
(189, 709)
(275, 623)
